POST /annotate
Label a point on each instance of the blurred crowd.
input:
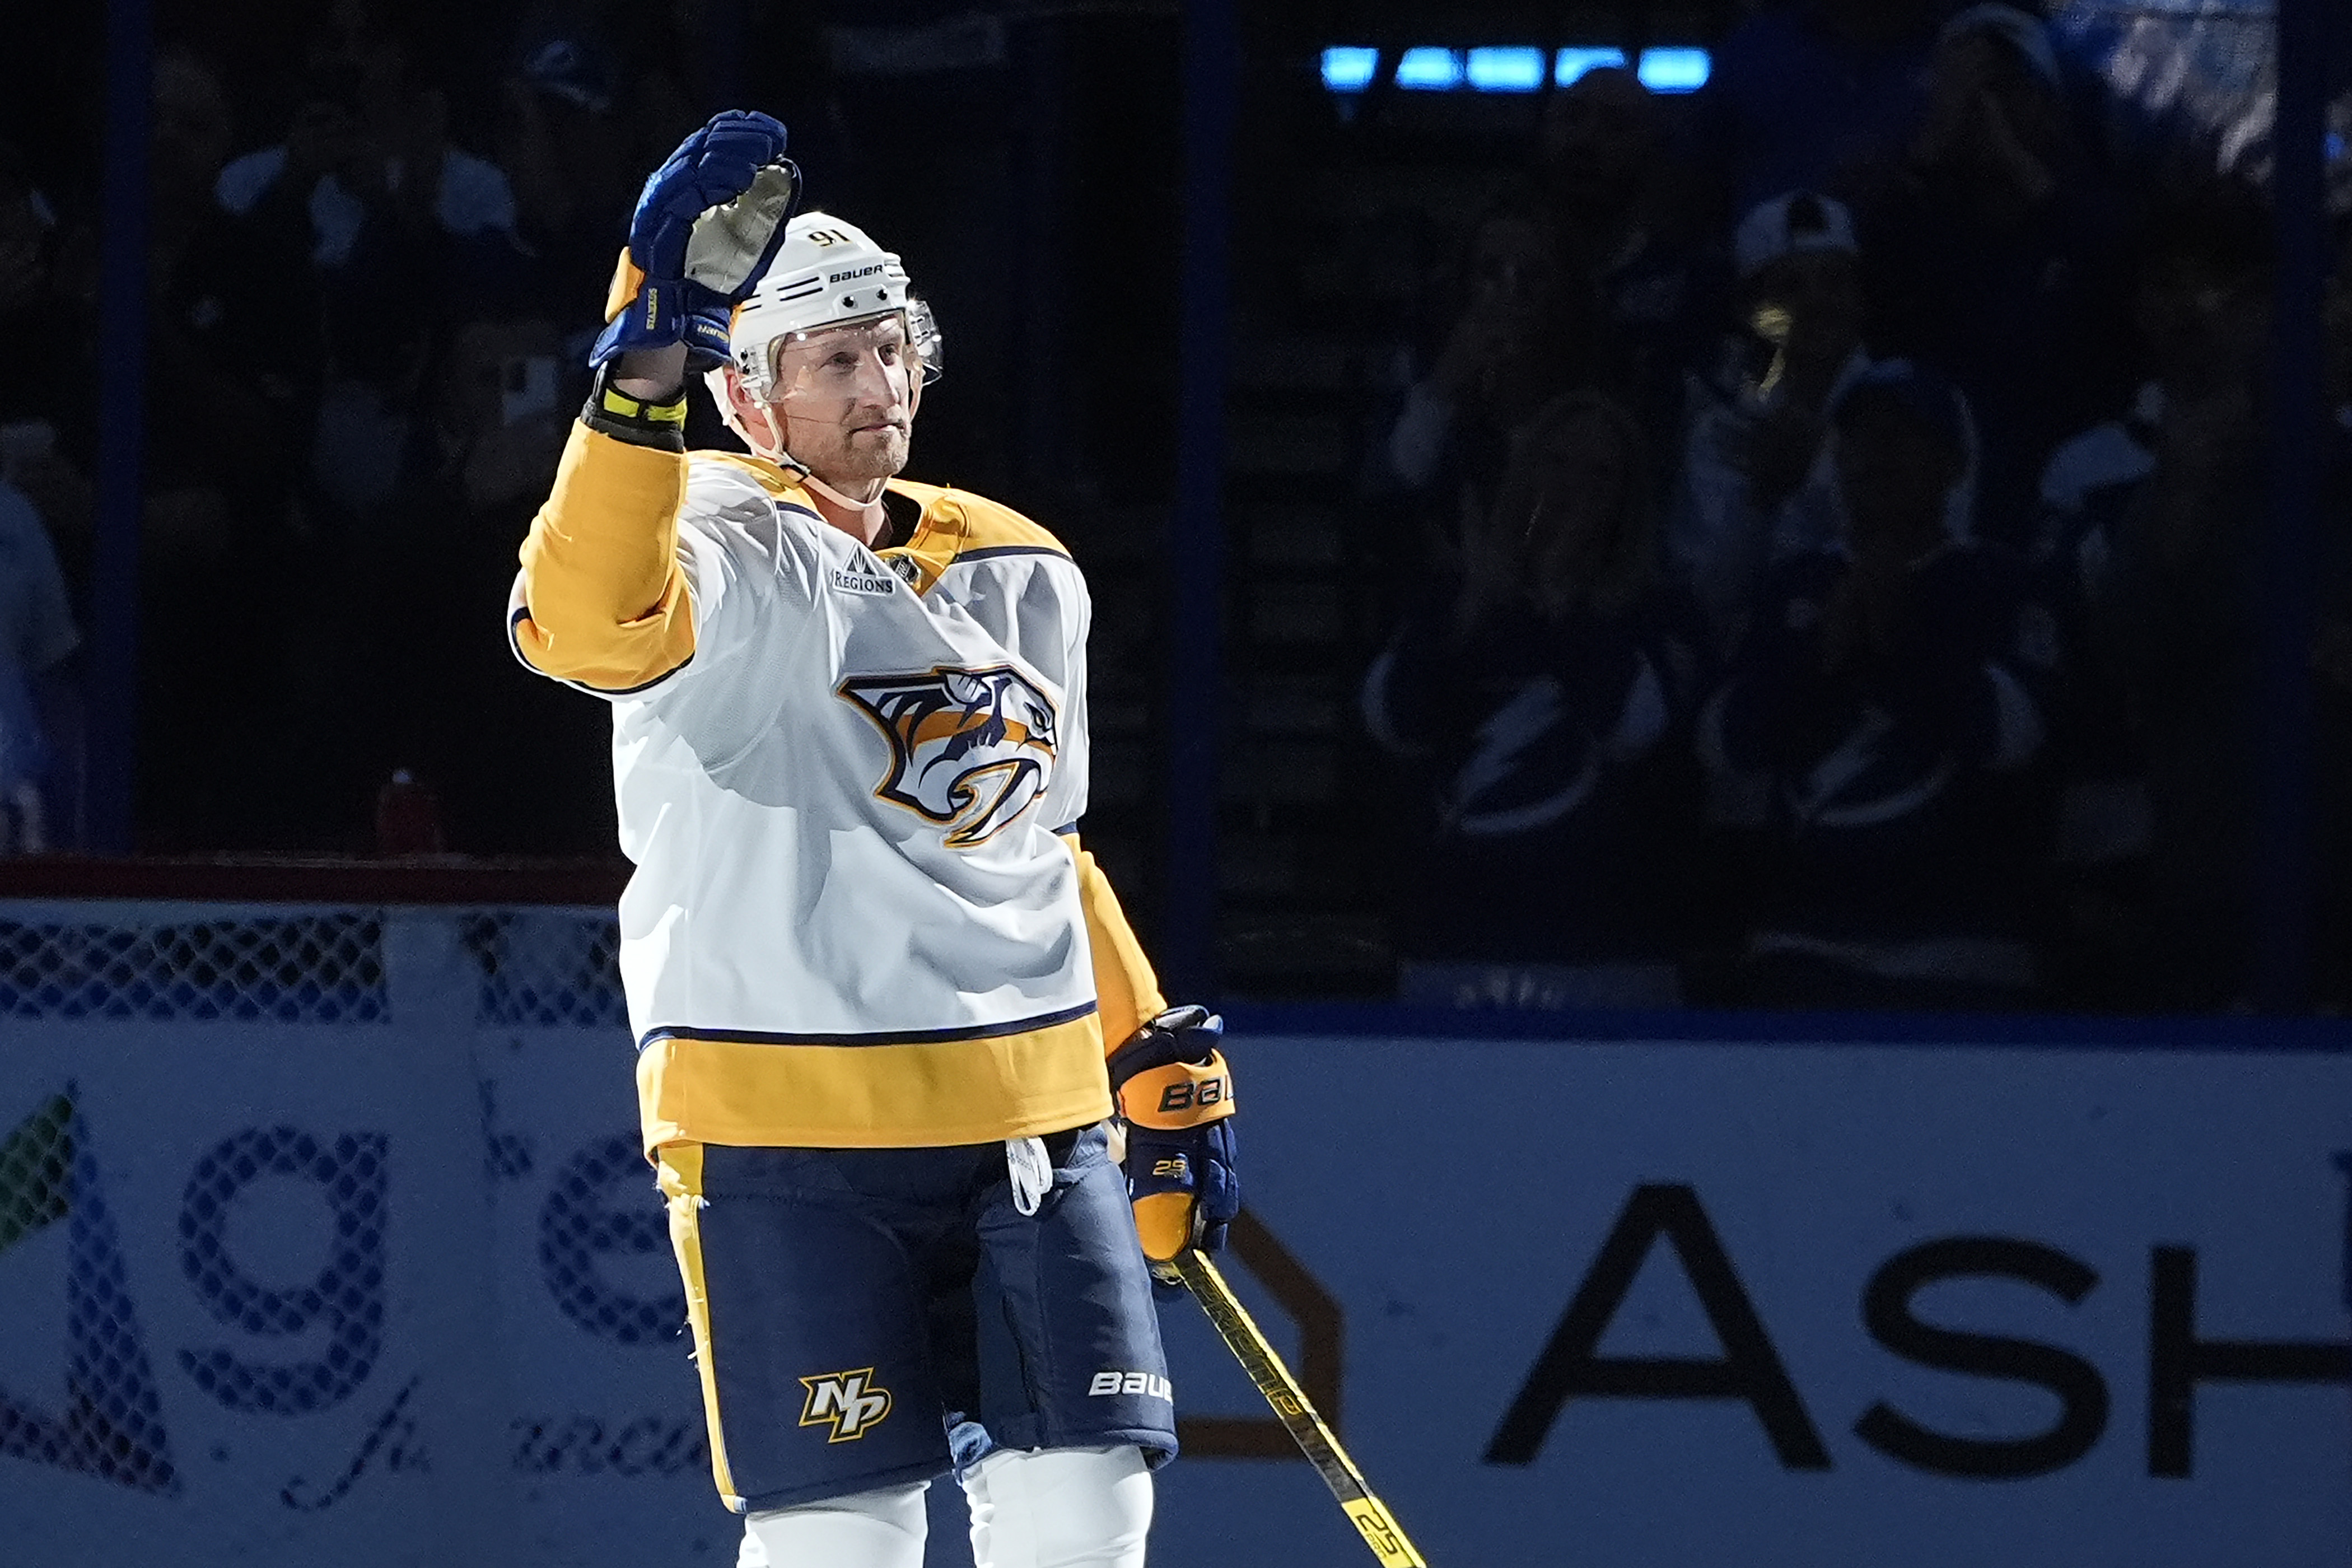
(1843, 490)
(1848, 489)
(375, 262)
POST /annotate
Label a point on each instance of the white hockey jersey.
(845, 777)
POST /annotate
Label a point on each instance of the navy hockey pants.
(866, 1317)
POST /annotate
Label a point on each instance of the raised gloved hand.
(1176, 1094)
(707, 224)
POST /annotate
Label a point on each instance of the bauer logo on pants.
(1149, 1384)
(850, 1402)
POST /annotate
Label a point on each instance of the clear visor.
(923, 336)
(873, 360)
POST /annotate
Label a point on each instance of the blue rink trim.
(1611, 1025)
(880, 1037)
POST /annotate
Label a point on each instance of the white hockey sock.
(881, 1529)
(1060, 1508)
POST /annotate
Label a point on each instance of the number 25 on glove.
(1176, 1096)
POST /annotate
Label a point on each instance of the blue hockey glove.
(705, 226)
(1176, 1095)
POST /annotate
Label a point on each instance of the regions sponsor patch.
(851, 1403)
(1151, 1385)
(861, 578)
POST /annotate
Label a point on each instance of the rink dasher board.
(515, 1403)
(1454, 1196)
(512, 1406)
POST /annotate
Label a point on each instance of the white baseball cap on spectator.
(1788, 225)
(2020, 28)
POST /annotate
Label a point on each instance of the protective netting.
(603, 1241)
(548, 968)
(106, 1418)
(604, 1249)
(294, 969)
(585, 1446)
(281, 1229)
(341, 1305)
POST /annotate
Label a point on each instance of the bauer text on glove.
(1175, 1093)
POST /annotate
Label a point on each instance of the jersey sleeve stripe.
(515, 624)
(990, 552)
(608, 598)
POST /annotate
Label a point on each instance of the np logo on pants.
(852, 1402)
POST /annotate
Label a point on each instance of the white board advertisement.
(1664, 1305)
(369, 1271)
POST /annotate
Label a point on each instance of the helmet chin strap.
(821, 488)
(778, 455)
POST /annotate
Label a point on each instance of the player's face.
(846, 398)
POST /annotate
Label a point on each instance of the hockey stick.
(1242, 1336)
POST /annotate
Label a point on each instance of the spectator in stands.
(1512, 347)
(1754, 477)
(369, 206)
(210, 326)
(1502, 357)
(45, 511)
(1997, 255)
(1529, 698)
(1890, 704)
(2151, 527)
(1625, 217)
(38, 635)
(503, 394)
(572, 156)
(47, 436)
(232, 374)
(1805, 92)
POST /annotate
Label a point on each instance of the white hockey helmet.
(827, 273)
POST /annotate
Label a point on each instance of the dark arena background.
(1722, 632)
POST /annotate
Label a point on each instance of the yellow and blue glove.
(708, 222)
(1176, 1096)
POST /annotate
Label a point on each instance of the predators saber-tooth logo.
(850, 1402)
(970, 749)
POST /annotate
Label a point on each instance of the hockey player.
(871, 973)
